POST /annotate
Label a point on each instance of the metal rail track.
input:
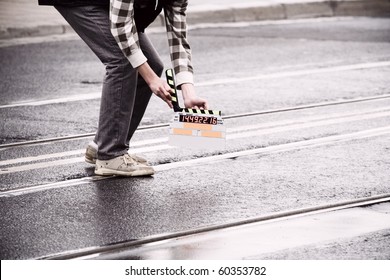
(311, 143)
(234, 116)
(113, 249)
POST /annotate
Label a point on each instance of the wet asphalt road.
(241, 69)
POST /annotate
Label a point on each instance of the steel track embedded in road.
(101, 251)
(292, 146)
(234, 116)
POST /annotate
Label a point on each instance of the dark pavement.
(55, 208)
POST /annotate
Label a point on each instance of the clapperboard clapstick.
(194, 128)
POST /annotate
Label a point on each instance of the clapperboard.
(193, 128)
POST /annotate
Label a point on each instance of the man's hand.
(160, 88)
(157, 85)
(191, 100)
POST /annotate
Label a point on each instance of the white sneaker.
(91, 154)
(123, 166)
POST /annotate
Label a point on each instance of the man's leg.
(143, 91)
(118, 94)
(120, 82)
(143, 94)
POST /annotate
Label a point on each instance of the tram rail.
(316, 142)
(160, 144)
(227, 117)
(120, 249)
(67, 157)
(79, 210)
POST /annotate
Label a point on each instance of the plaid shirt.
(124, 30)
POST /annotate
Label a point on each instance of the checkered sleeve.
(180, 51)
(124, 30)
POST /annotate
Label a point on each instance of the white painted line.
(229, 80)
(289, 74)
(314, 118)
(275, 128)
(40, 157)
(240, 24)
(39, 188)
(38, 40)
(280, 148)
(312, 143)
(59, 162)
(150, 141)
(307, 125)
(79, 97)
(239, 115)
(39, 165)
(79, 152)
(71, 36)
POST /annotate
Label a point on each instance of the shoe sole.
(92, 160)
(135, 173)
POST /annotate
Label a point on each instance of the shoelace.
(155, 8)
(128, 160)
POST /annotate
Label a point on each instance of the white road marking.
(38, 40)
(267, 22)
(289, 74)
(40, 157)
(74, 98)
(280, 148)
(165, 125)
(72, 36)
(307, 125)
(250, 131)
(79, 152)
(230, 80)
(59, 162)
(315, 118)
(312, 143)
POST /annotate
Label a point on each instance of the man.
(114, 31)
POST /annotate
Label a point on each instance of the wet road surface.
(320, 135)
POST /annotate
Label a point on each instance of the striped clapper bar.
(193, 128)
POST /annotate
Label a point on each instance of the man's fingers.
(167, 99)
(205, 105)
(201, 105)
(168, 91)
(166, 96)
(168, 88)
